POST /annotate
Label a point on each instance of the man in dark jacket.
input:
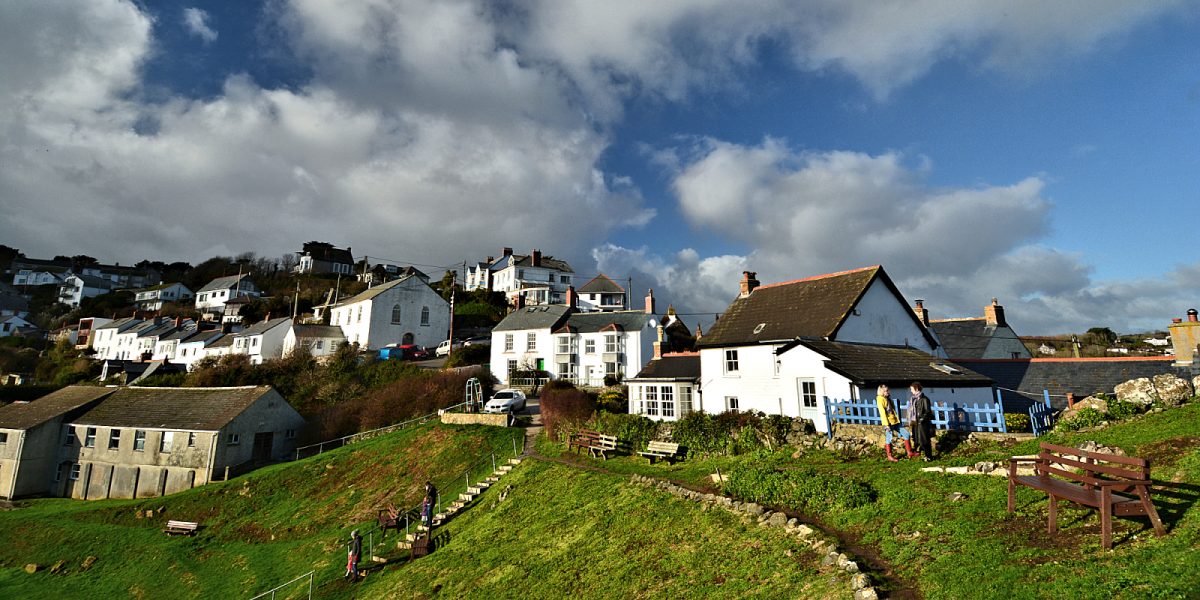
(353, 554)
(920, 411)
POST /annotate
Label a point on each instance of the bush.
(1119, 410)
(635, 429)
(1016, 422)
(614, 399)
(469, 355)
(564, 410)
(763, 478)
(730, 433)
(1086, 417)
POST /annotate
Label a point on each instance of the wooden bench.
(605, 444)
(181, 528)
(583, 439)
(1093, 479)
(664, 450)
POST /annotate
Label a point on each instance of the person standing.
(427, 512)
(353, 554)
(891, 423)
(921, 413)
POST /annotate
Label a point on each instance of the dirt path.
(879, 567)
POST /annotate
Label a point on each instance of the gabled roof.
(381, 288)
(534, 317)
(92, 281)
(326, 252)
(188, 409)
(25, 415)
(673, 366)
(318, 331)
(225, 283)
(601, 284)
(225, 341)
(868, 364)
(970, 338)
(119, 323)
(161, 286)
(263, 326)
(814, 307)
(593, 322)
(204, 337)
(548, 262)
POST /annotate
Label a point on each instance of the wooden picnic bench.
(1094, 479)
(181, 528)
(664, 450)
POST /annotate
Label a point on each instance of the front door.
(262, 446)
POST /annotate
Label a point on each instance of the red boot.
(888, 449)
(908, 446)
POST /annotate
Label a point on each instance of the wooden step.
(514, 461)
(504, 468)
(467, 496)
(492, 479)
(476, 490)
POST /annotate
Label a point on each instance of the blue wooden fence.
(1042, 417)
(966, 417)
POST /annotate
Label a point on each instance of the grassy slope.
(564, 532)
(259, 530)
(974, 549)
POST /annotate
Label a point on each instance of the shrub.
(1086, 417)
(469, 355)
(635, 429)
(762, 478)
(1119, 410)
(698, 433)
(564, 410)
(614, 399)
(1016, 422)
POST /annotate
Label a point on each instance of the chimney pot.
(1191, 314)
(921, 312)
(749, 283)
(1177, 320)
(650, 301)
(572, 297)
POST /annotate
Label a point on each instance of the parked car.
(444, 348)
(403, 352)
(482, 340)
(505, 401)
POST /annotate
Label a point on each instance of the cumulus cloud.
(196, 21)
(807, 213)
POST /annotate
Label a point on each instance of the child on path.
(353, 553)
(891, 423)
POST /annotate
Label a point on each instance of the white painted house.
(191, 348)
(74, 288)
(263, 340)
(535, 278)
(783, 348)
(318, 340)
(153, 298)
(403, 311)
(105, 338)
(212, 297)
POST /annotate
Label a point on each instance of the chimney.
(994, 314)
(520, 301)
(1184, 337)
(659, 343)
(748, 283)
(572, 297)
(699, 333)
(650, 302)
(491, 259)
(536, 257)
(506, 252)
(922, 314)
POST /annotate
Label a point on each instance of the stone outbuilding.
(30, 434)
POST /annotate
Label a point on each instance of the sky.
(1045, 154)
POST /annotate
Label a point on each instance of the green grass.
(564, 532)
(259, 530)
(973, 548)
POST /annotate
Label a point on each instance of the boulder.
(1099, 404)
(777, 520)
(1196, 383)
(866, 594)
(31, 568)
(1138, 391)
(1172, 390)
(860, 581)
(753, 508)
(1092, 446)
(804, 530)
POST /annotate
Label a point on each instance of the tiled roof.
(118, 323)
(224, 341)
(264, 326)
(672, 366)
(971, 338)
(592, 322)
(375, 291)
(223, 283)
(868, 364)
(317, 331)
(27, 415)
(1081, 376)
(195, 409)
(812, 308)
(601, 284)
(534, 317)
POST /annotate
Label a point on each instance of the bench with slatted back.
(664, 450)
(1116, 485)
(181, 528)
(583, 439)
(605, 444)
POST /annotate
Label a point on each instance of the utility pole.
(453, 283)
(296, 301)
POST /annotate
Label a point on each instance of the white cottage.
(783, 348)
(404, 311)
(319, 340)
(263, 340)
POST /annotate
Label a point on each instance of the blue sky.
(1042, 154)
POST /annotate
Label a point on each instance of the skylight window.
(758, 328)
(947, 369)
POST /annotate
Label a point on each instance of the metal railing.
(309, 575)
(362, 435)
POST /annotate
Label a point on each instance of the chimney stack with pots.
(1185, 335)
(506, 252)
(994, 314)
(659, 343)
(536, 258)
(572, 297)
(650, 302)
(922, 313)
(749, 282)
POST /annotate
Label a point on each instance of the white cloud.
(196, 21)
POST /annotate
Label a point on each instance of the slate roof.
(534, 317)
(22, 415)
(263, 326)
(869, 364)
(375, 291)
(593, 322)
(1081, 376)
(672, 366)
(92, 281)
(223, 283)
(601, 284)
(13, 303)
(117, 323)
(317, 331)
(201, 336)
(814, 307)
(189, 409)
(322, 251)
(969, 338)
(224, 341)
(548, 262)
(162, 286)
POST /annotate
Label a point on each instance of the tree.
(1101, 336)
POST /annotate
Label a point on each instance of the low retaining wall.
(453, 418)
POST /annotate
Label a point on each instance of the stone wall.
(454, 418)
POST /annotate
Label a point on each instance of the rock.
(1196, 384)
(1092, 446)
(866, 594)
(985, 467)
(1099, 404)
(842, 561)
(803, 530)
(788, 553)
(87, 563)
(957, 497)
(1172, 390)
(1138, 391)
(850, 567)
(791, 523)
(753, 508)
(829, 561)
(58, 566)
(860, 581)
(777, 520)
(31, 568)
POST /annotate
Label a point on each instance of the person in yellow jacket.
(891, 423)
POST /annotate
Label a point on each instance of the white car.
(444, 348)
(505, 401)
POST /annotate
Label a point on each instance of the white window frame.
(732, 404)
(424, 316)
(114, 439)
(191, 439)
(589, 346)
(685, 400)
(666, 398)
(650, 404)
(731, 362)
(139, 440)
(76, 471)
(233, 439)
(165, 440)
(89, 437)
(508, 342)
(808, 399)
(531, 341)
